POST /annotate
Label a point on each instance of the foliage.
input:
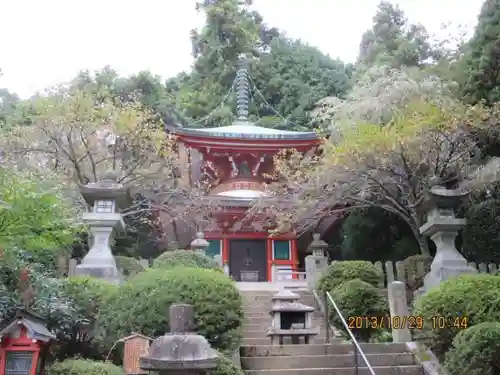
(373, 234)
(342, 271)
(391, 167)
(356, 298)
(416, 267)
(481, 61)
(83, 367)
(87, 295)
(481, 235)
(128, 265)
(141, 305)
(36, 218)
(475, 351)
(186, 258)
(393, 40)
(474, 296)
(226, 367)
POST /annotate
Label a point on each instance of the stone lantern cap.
(181, 349)
(317, 243)
(442, 198)
(199, 242)
(285, 295)
(107, 188)
(292, 307)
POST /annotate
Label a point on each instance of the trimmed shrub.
(226, 367)
(186, 258)
(342, 271)
(357, 299)
(416, 267)
(141, 305)
(476, 297)
(87, 295)
(83, 367)
(128, 265)
(476, 351)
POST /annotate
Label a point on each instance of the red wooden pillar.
(294, 256)
(225, 250)
(269, 254)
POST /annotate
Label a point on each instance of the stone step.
(336, 347)
(325, 361)
(263, 340)
(262, 333)
(379, 370)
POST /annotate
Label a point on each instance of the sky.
(48, 42)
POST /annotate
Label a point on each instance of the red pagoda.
(237, 161)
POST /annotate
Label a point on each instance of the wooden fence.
(391, 271)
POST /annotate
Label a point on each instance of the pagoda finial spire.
(242, 89)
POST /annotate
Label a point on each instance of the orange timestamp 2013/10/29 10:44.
(407, 322)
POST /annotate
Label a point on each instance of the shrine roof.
(247, 130)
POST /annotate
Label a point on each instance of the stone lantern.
(290, 318)
(318, 247)
(104, 199)
(442, 227)
(199, 244)
(182, 351)
(317, 262)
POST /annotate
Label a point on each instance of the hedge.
(474, 297)
(187, 258)
(476, 351)
(83, 367)
(141, 305)
(356, 298)
(341, 271)
(128, 265)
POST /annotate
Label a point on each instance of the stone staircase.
(259, 357)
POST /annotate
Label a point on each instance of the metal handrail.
(357, 348)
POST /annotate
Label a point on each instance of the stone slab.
(379, 370)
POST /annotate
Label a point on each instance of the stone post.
(442, 227)
(317, 263)
(398, 308)
(182, 351)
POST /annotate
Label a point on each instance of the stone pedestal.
(181, 351)
(315, 268)
(442, 227)
(99, 261)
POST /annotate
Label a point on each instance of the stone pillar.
(315, 268)
(398, 307)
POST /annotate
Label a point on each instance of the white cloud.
(48, 42)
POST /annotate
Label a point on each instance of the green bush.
(475, 351)
(357, 298)
(83, 367)
(476, 297)
(187, 258)
(128, 265)
(226, 367)
(416, 267)
(87, 295)
(342, 271)
(141, 305)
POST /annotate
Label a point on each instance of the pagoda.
(237, 162)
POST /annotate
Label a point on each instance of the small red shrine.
(24, 344)
(236, 161)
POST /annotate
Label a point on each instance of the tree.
(393, 41)
(481, 63)
(36, 218)
(80, 135)
(391, 168)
